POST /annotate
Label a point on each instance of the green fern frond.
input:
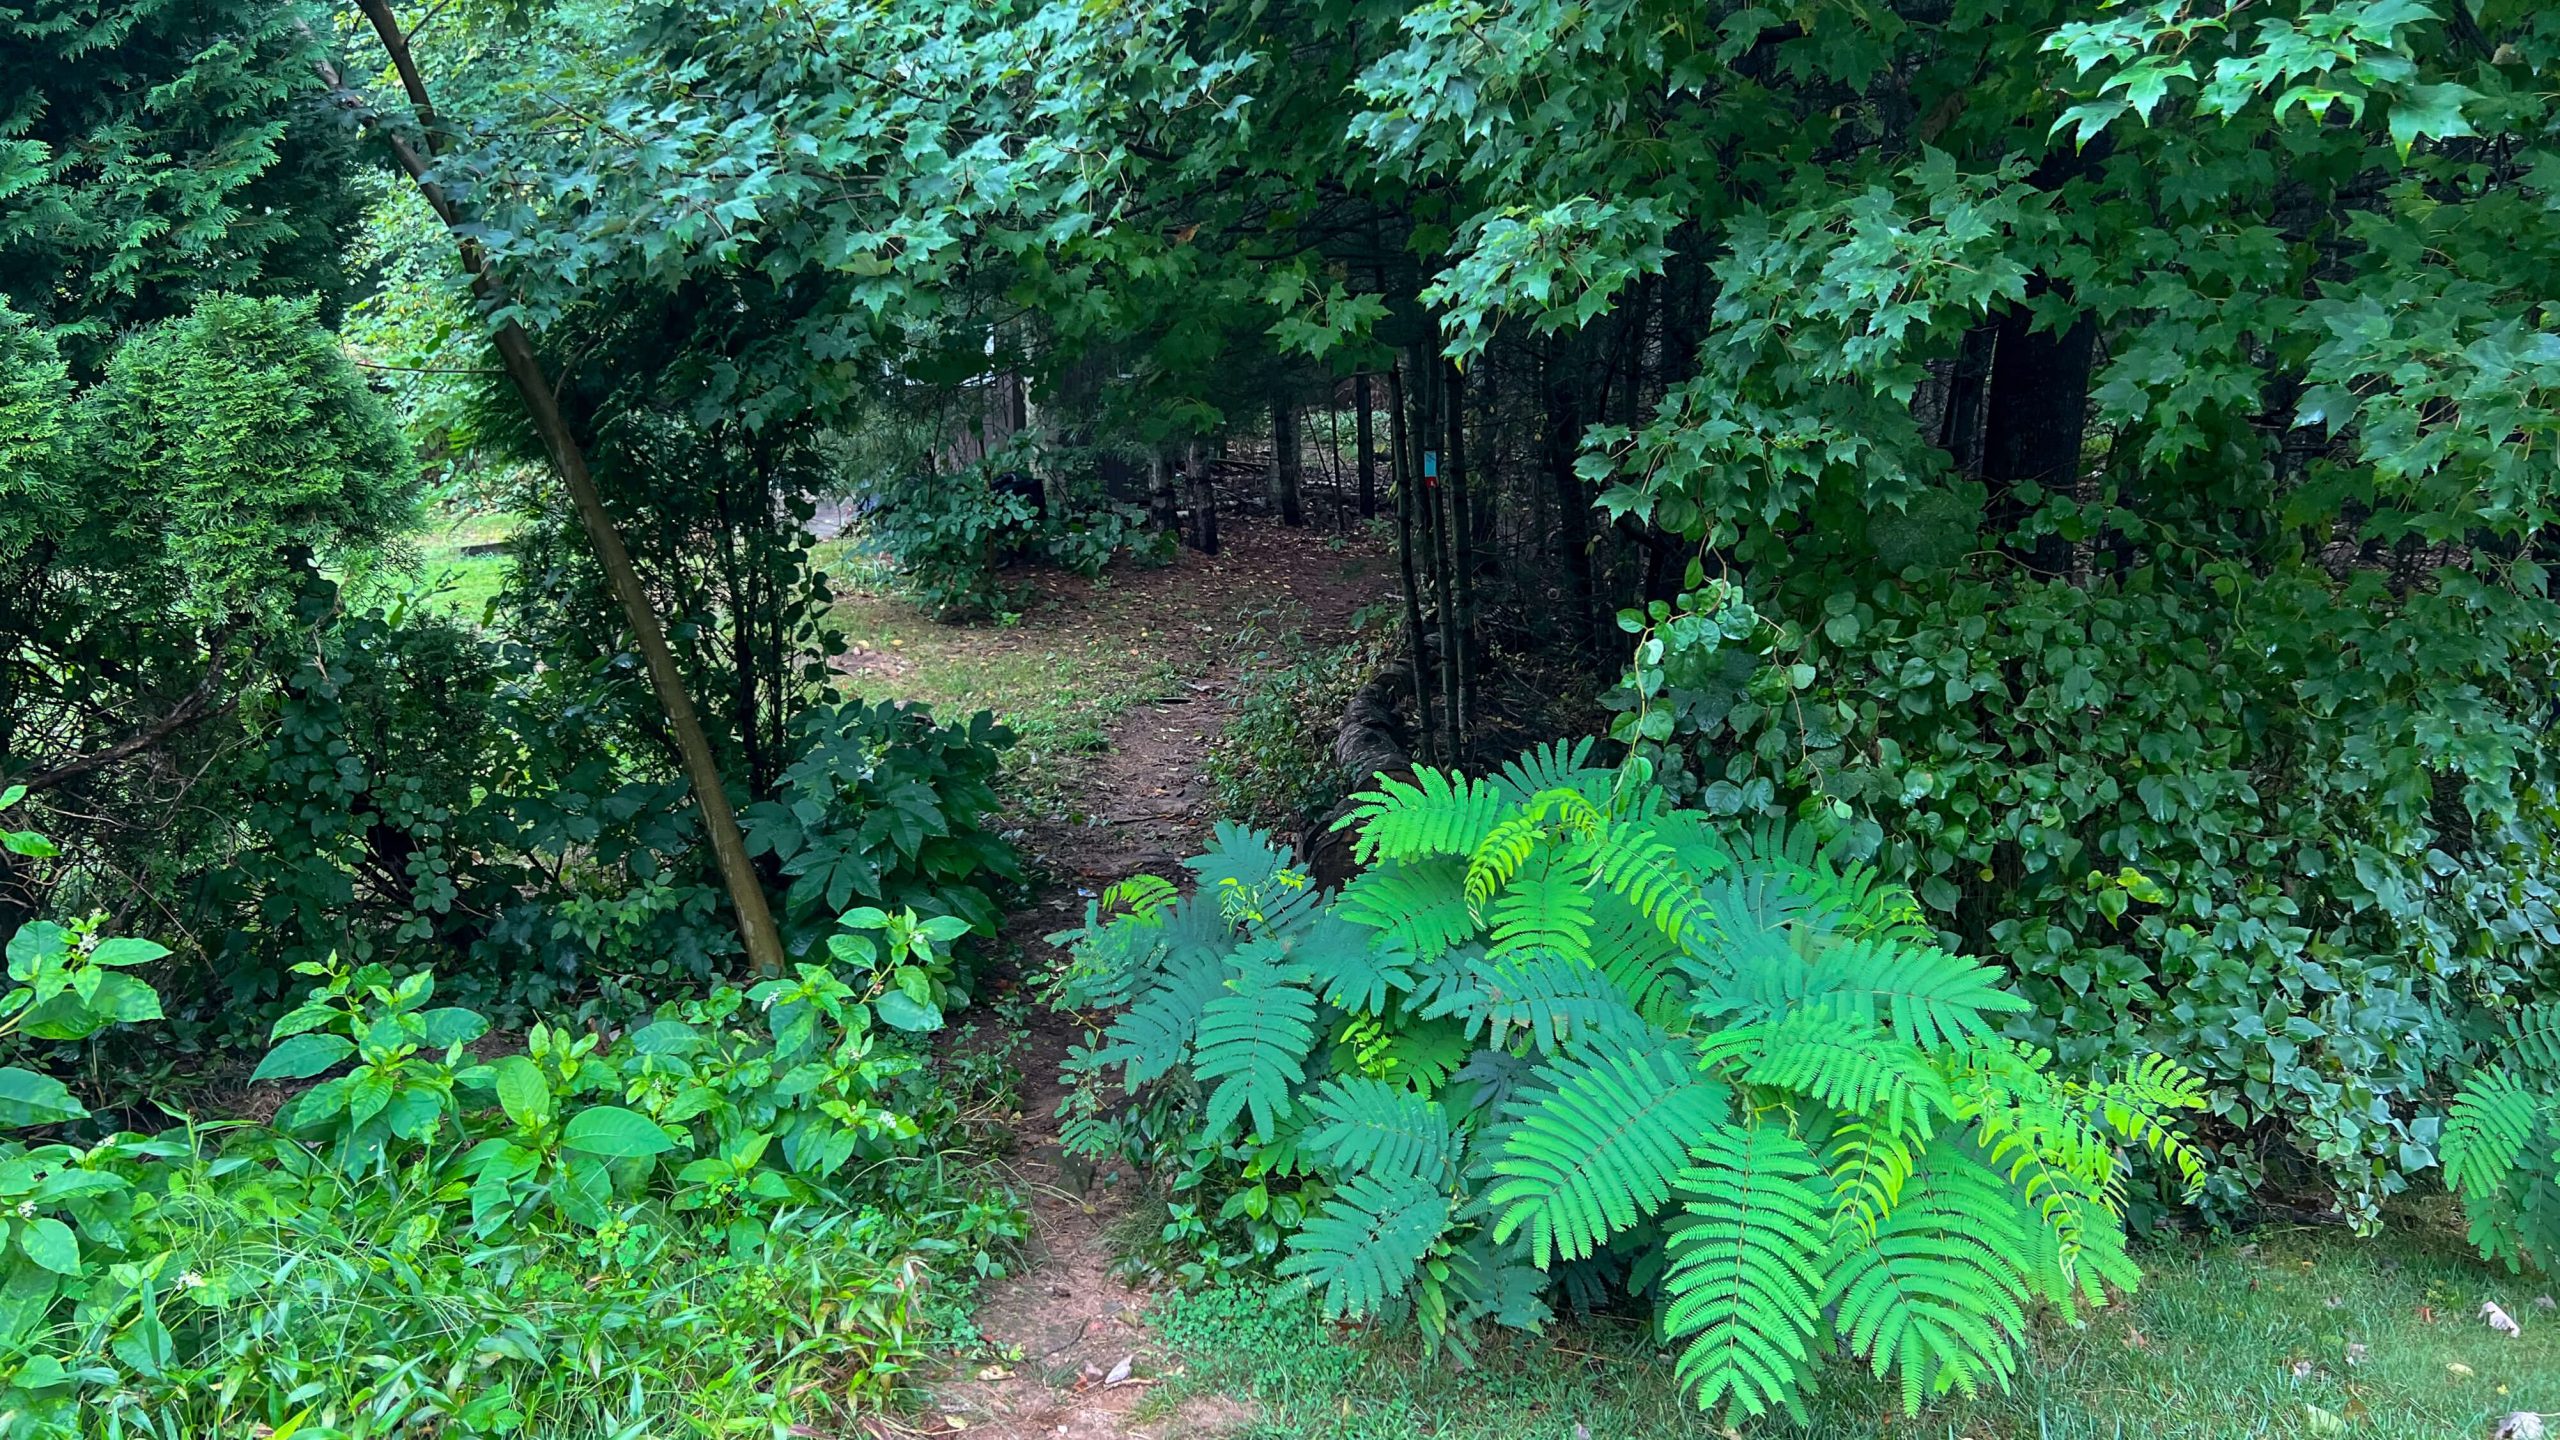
(1545, 907)
(1746, 1269)
(2137, 1109)
(1505, 849)
(1369, 1127)
(1348, 964)
(1931, 998)
(1436, 814)
(2486, 1132)
(1241, 855)
(1365, 1242)
(1597, 1147)
(1253, 1040)
(1420, 905)
(1638, 960)
(2533, 1043)
(1154, 1035)
(1854, 1069)
(1633, 861)
(1555, 1000)
(1426, 1053)
(1869, 1164)
(1557, 765)
(1935, 1293)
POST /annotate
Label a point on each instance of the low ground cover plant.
(734, 1213)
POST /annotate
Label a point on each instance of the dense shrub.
(1560, 1036)
(2240, 846)
(949, 533)
(732, 1216)
(885, 805)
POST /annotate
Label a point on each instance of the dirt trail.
(1150, 804)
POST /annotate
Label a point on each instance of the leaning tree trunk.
(524, 370)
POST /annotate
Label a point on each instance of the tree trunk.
(1204, 499)
(1288, 463)
(1360, 397)
(1463, 573)
(524, 370)
(1573, 505)
(1404, 485)
(1435, 510)
(1960, 431)
(2034, 418)
(1164, 507)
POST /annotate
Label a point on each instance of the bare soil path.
(1141, 803)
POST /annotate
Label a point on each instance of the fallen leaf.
(2301, 1369)
(955, 1422)
(2458, 1370)
(2500, 1321)
(2427, 1313)
(2322, 1422)
(2522, 1425)
(995, 1372)
(2355, 1353)
(1120, 1371)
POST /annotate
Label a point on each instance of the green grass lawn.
(451, 581)
(2227, 1339)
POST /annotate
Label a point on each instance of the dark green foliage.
(153, 152)
(2123, 872)
(242, 438)
(1795, 1106)
(547, 1236)
(883, 805)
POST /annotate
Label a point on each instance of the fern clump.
(1560, 1036)
(2501, 1147)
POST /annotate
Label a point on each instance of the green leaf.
(303, 1056)
(898, 1008)
(523, 1093)
(50, 1243)
(2428, 112)
(127, 950)
(614, 1133)
(453, 1025)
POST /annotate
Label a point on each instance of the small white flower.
(26, 1209)
(191, 1281)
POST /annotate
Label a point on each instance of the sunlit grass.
(2236, 1338)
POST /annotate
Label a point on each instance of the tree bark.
(1360, 397)
(1204, 499)
(1400, 459)
(1463, 572)
(1288, 462)
(2034, 418)
(524, 370)
(1164, 508)
(1573, 504)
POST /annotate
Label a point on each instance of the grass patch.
(1062, 673)
(2226, 1339)
(448, 579)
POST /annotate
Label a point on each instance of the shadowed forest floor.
(1117, 688)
